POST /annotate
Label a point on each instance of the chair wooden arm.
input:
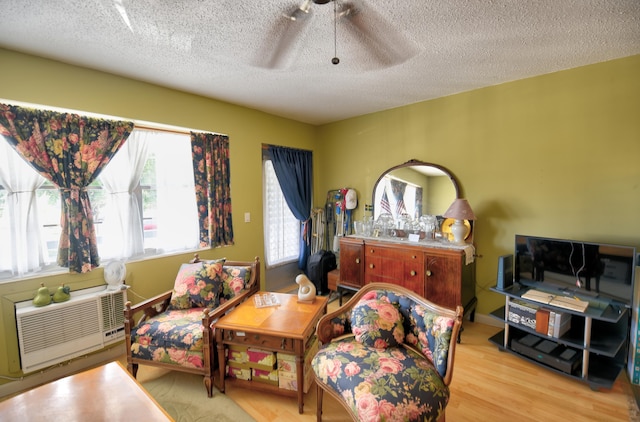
(150, 307)
(216, 313)
(253, 285)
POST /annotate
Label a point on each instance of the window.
(155, 166)
(158, 167)
(281, 228)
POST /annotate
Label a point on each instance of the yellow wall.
(35, 80)
(555, 155)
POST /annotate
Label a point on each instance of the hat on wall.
(351, 199)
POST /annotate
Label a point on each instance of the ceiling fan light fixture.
(302, 11)
(384, 43)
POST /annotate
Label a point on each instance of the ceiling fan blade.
(289, 32)
(386, 43)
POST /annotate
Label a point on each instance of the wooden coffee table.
(107, 392)
(287, 328)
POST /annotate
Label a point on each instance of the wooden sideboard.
(439, 272)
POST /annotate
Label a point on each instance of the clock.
(114, 274)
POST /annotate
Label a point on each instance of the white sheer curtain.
(21, 246)
(176, 211)
(122, 231)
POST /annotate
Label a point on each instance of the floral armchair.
(175, 330)
(387, 355)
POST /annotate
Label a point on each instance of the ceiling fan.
(386, 44)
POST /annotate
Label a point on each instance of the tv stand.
(598, 336)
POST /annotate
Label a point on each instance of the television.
(576, 268)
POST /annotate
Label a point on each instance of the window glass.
(282, 229)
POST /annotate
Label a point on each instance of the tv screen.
(581, 268)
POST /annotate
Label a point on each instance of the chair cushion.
(377, 323)
(198, 285)
(431, 334)
(234, 280)
(392, 384)
(174, 336)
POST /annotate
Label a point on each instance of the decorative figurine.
(43, 297)
(62, 294)
(307, 290)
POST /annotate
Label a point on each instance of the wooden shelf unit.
(600, 334)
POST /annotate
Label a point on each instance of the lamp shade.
(460, 210)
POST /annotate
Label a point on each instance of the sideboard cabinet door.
(351, 262)
(443, 277)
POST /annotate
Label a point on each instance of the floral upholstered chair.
(175, 330)
(387, 355)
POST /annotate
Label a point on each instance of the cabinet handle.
(357, 260)
(413, 273)
(371, 265)
(414, 257)
(371, 251)
(428, 273)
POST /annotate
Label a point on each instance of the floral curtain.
(69, 150)
(213, 188)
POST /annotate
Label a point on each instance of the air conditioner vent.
(58, 326)
(61, 331)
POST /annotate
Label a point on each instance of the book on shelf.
(542, 320)
(559, 323)
(552, 323)
(560, 301)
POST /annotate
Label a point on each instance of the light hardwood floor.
(488, 385)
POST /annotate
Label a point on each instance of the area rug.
(184, 397)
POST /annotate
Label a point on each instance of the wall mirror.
(414, 188)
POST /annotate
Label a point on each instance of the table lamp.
(460, 210)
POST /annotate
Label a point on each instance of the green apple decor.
(62, 294)
(43, 297)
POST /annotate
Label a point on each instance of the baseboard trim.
(61, 370)
(488, 320)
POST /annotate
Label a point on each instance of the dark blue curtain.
(293, 168)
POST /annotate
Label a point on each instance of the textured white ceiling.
(214, 47)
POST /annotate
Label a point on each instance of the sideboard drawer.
(396, 254)
(259, 340)
(394, 263)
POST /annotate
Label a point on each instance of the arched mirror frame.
(415, 163)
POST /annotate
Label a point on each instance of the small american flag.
(384, 202)
(400, 208)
